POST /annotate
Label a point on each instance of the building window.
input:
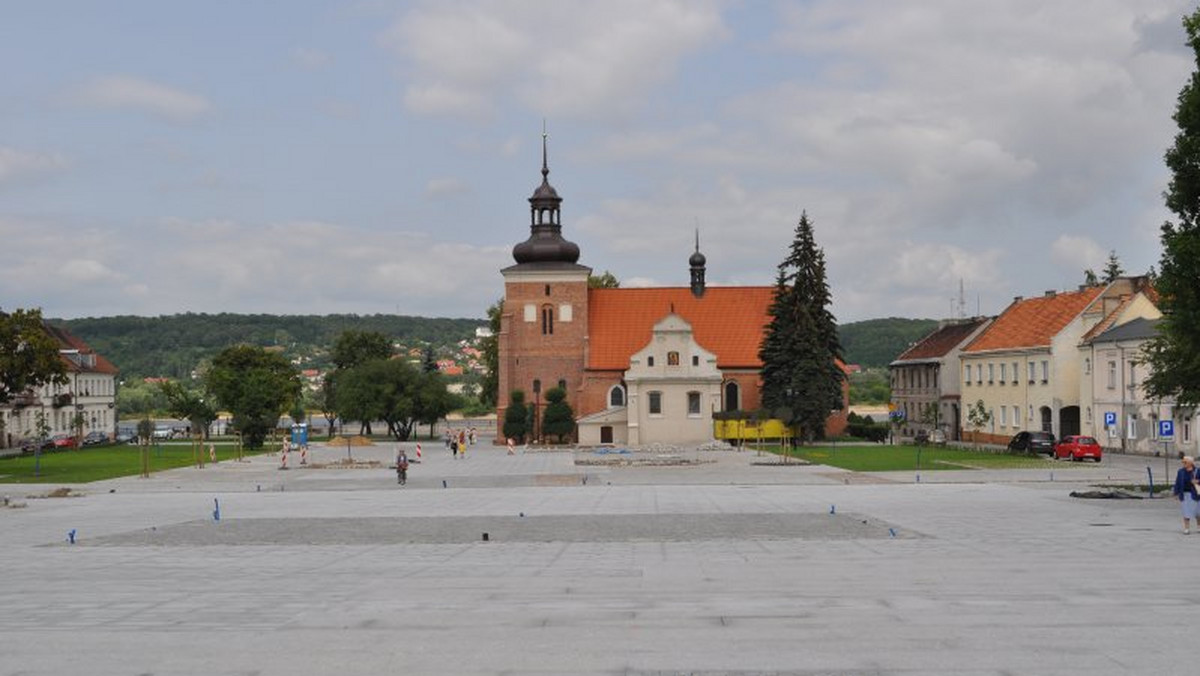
(1087, 365)
(548, 320)
(1132, 375)
(732, 396)
(695, 360)
(1004, 416)
(1045, 371)
(1016, 421)
(967, 368)
(1187, 431)
(654, 400)
(650, 360)
(562, 384)
(1031, 373)
(1003, 372)
(616, 396)
(672, 358)
(1016, 372)
(693, 399)
(991, 372)
(1112, 375)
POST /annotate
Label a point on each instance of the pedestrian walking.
(472, 436)
(1187, 490)
(401, 467)
(510, 447)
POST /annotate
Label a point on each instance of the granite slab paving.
(724, 568)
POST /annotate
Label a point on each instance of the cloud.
(444, 188)
(290, 267)
(132, 93)
(16, 164)
(588, 59)
(310, 59)
(1078, 252)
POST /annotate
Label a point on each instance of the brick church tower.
(544, 325)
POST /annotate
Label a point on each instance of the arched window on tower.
(547, 320)
(732, 396)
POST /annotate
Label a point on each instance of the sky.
(315, 157)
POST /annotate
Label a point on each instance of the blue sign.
(1110, 419)
(1166, 429)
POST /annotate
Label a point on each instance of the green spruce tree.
(559, 419)
(1174, 355)
(802, 379)
(516, 424)
(1112, 269)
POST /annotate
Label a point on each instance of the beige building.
(926, 374)
(1026, 367)
(86, 403)
(1117, 410)
(670, 390)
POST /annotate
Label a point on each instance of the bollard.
(443, 483)
(216, 510)
(522, 515)
(833, 509)
(892, 531)
(1150, 478)
(485, 537)
(71, 536)
(258, 488)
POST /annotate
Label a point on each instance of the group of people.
(457, 442)
(1187, 490)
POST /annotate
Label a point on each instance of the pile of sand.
(354, 441)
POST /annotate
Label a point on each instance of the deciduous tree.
(28, 355)
(516, 417)
(490, 346)
(1174, 355)
(256, 386)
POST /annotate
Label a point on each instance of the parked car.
(1077, 447)
(30, 444)
(63, 441)
(163, 433)
(937, 437)
(1032, 442)
(125, 437)
(95, 438)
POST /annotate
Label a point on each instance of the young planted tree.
(516, 417)
(800, 351)
(190, 406)
(1174, 355)
(559, 421)
(978, 416)
(256, 386)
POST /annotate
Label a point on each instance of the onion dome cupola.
(697, 262)
(545, 243)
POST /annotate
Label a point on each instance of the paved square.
(725, 567)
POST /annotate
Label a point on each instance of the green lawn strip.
(107, 462)
(886, 458)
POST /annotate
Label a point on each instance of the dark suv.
(1032, 442)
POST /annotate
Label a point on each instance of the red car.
(1077, 447)
(63, 441)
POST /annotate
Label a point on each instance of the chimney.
(1050, 293)
(1018, 299)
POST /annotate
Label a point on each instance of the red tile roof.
(941, 341)
(727, 321)
(68, 341)
(1033, 322)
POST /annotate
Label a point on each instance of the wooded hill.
(172, 346)
(874, 343)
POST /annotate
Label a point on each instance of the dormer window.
(650, 360)
(672, 358)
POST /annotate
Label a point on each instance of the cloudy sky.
(372, 156)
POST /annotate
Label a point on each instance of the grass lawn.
(94, 463)
(882, 458)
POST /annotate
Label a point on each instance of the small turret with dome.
(697, 262)
(545, 245)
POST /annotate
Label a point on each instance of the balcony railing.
(61, 400)
(25, 399)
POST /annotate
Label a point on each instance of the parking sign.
(1166, 429)
(1110, 418)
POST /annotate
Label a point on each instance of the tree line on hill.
(172, 346)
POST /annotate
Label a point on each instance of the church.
(639, 365)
